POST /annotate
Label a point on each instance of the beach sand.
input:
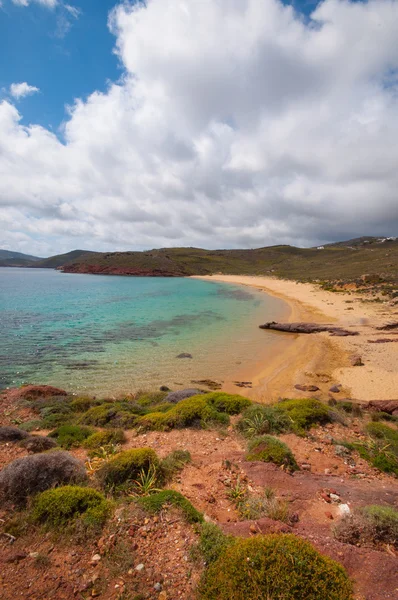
(320, 359)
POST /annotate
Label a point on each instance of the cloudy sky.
(212, 123)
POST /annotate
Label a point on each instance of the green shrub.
(30, 426)
(380, 431)
(379, 453)
(257, 420)
(126, 466)
(303, 414)
(274, 566)
(59, 506)
(380, 416)
(189, 412)
(269, 449)
(83, 404)
(71, 436)
(231, 404)
(104, 438)
(156, 502)
(212, 542)
(371, 524)
(112, 414)
(149, 398)
(174, 462)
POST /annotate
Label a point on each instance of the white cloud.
(46, 3)
(236, 123)
(20, 90)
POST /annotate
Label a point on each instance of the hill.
(53, 262)
(341, 261)
(16, 259)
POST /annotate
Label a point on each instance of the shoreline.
(319, 359)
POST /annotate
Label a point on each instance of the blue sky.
(66, 57)
(218, 123)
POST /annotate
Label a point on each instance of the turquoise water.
(108, 334)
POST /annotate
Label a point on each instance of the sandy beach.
(320, 359)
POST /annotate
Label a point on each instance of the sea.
(110, 335)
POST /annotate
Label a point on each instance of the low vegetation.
(104, 438)
(156, 502)
(38, 443)
(269, 449)
(369, 525)
(12, 434)
(274, 566)
(174, 463)
(31, 475)
(288, 415)
(265, 505)
(63, 505)
(70, 436)
(126, 467)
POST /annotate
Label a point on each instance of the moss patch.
(156, 502)
(64, 504)
(71, 436)
(269, 449)
(274, 566)
(126, 466)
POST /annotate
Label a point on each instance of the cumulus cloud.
(236, 123)
(20, 90)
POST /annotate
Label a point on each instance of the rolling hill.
(16, 259)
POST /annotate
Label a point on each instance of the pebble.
(95, 559)
(157, 587)
(33, 554)
(335, 498)
(139, 567)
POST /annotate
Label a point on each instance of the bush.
(372, 524)
(12, 434)
(269, 449)
(257, 420)
(174, 462)
(269, 506)
(274, 566)
(156, 502)
(38, 443)
(231, 404)
(380, 431)
(71, 436)
(189, 412)
(112, 414)
(174, 397)
(34, 425)
(212, 542)
(59, 506)
(104, 438)
(303, 414)
(34, 474)
(83, 404)
(126, 466)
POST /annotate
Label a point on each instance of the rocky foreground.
(312, 478)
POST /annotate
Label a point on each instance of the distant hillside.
(16, 259)
(344, 260)
(53, 262)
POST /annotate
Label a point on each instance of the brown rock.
(306, 388)
(387, 406)
(307, 328)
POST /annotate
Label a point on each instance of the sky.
(213, 123)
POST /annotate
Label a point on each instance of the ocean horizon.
(113, 335)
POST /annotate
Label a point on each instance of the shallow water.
(109, 335)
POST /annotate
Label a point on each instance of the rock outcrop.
(387, 406)
(307, 328)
